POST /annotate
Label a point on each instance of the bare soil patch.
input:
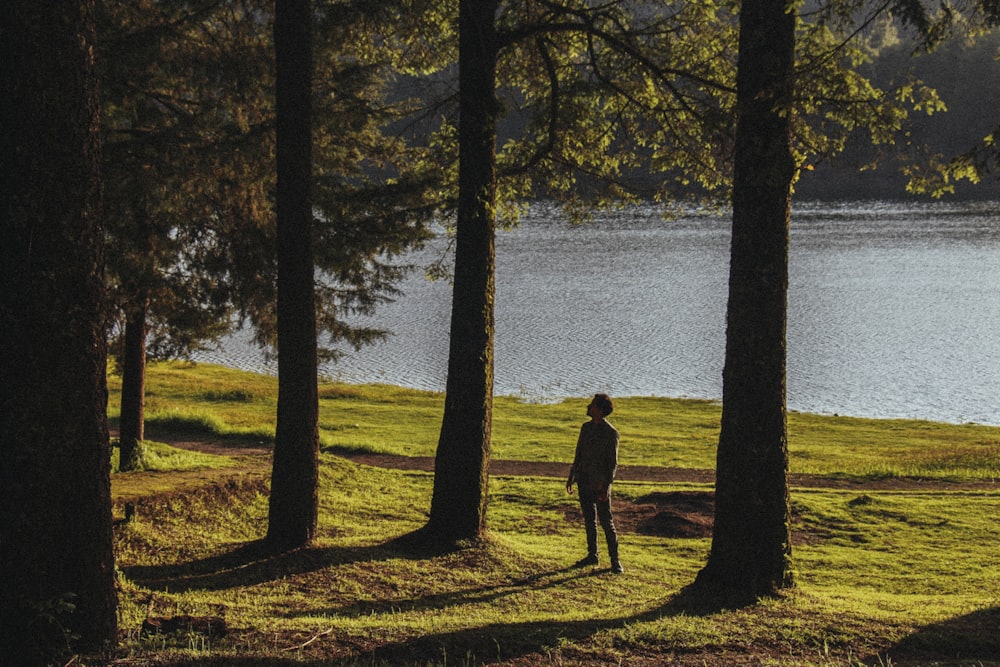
(684, 513)
(632, 473)
(674, 514)
(253, 451)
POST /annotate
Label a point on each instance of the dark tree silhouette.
(132, 417)
(57, 587)
(189, 157)
(458, 505)
(295, 476)
(751, 541)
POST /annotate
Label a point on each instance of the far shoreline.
(550, 399)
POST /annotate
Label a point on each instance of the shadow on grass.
(253, 563)
(250, 564)
(480, 645)
(498, 642)
(172, 427)
(973, 639)
(487, 594)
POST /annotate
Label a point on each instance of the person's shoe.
(616, 568)
(584, 562)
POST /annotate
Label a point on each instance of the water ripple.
(893, 312)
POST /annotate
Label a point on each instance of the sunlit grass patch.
(158, 456)
(204, 399)
(922, 560)
(875, 569)
(655, 431)
(979, 459)
(900, 543)
(361, 504)
(239, 395)
(203, 423)
(379, 419)
(884, 448)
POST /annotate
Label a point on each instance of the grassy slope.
(904, 571)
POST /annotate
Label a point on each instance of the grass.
(223, 402)
(883, 577)
(161, 457)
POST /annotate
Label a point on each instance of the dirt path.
(254, 458)
(632, 473)
(249, 460)
(670, 513)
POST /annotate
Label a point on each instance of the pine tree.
(189, 98)
(458, 506)
(58, 588)
(751, 538)
(294, 507)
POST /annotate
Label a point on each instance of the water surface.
(894, 311)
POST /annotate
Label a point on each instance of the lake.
(893, 311)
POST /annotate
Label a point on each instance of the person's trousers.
(594, 510)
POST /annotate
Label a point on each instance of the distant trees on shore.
(966, 75)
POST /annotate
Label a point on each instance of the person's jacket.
(596, 458)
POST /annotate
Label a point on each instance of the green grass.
(212, 400)
(883, 577)
(158, 456)
(204, 400)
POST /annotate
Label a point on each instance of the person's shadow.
(252, 563)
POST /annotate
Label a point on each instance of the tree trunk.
(751, 545)
(55, 491)
(458, 506)
(295, 476)
(131, 426)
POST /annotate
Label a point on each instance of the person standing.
(593, 471)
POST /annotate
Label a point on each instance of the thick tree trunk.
(458, 506)
(295, 476)
(751, 546)
(131, 426)
(55, 491)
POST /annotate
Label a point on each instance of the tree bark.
(55, 491)
(458, 505)
(294, 503)
(131, 425)
(751, 542)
